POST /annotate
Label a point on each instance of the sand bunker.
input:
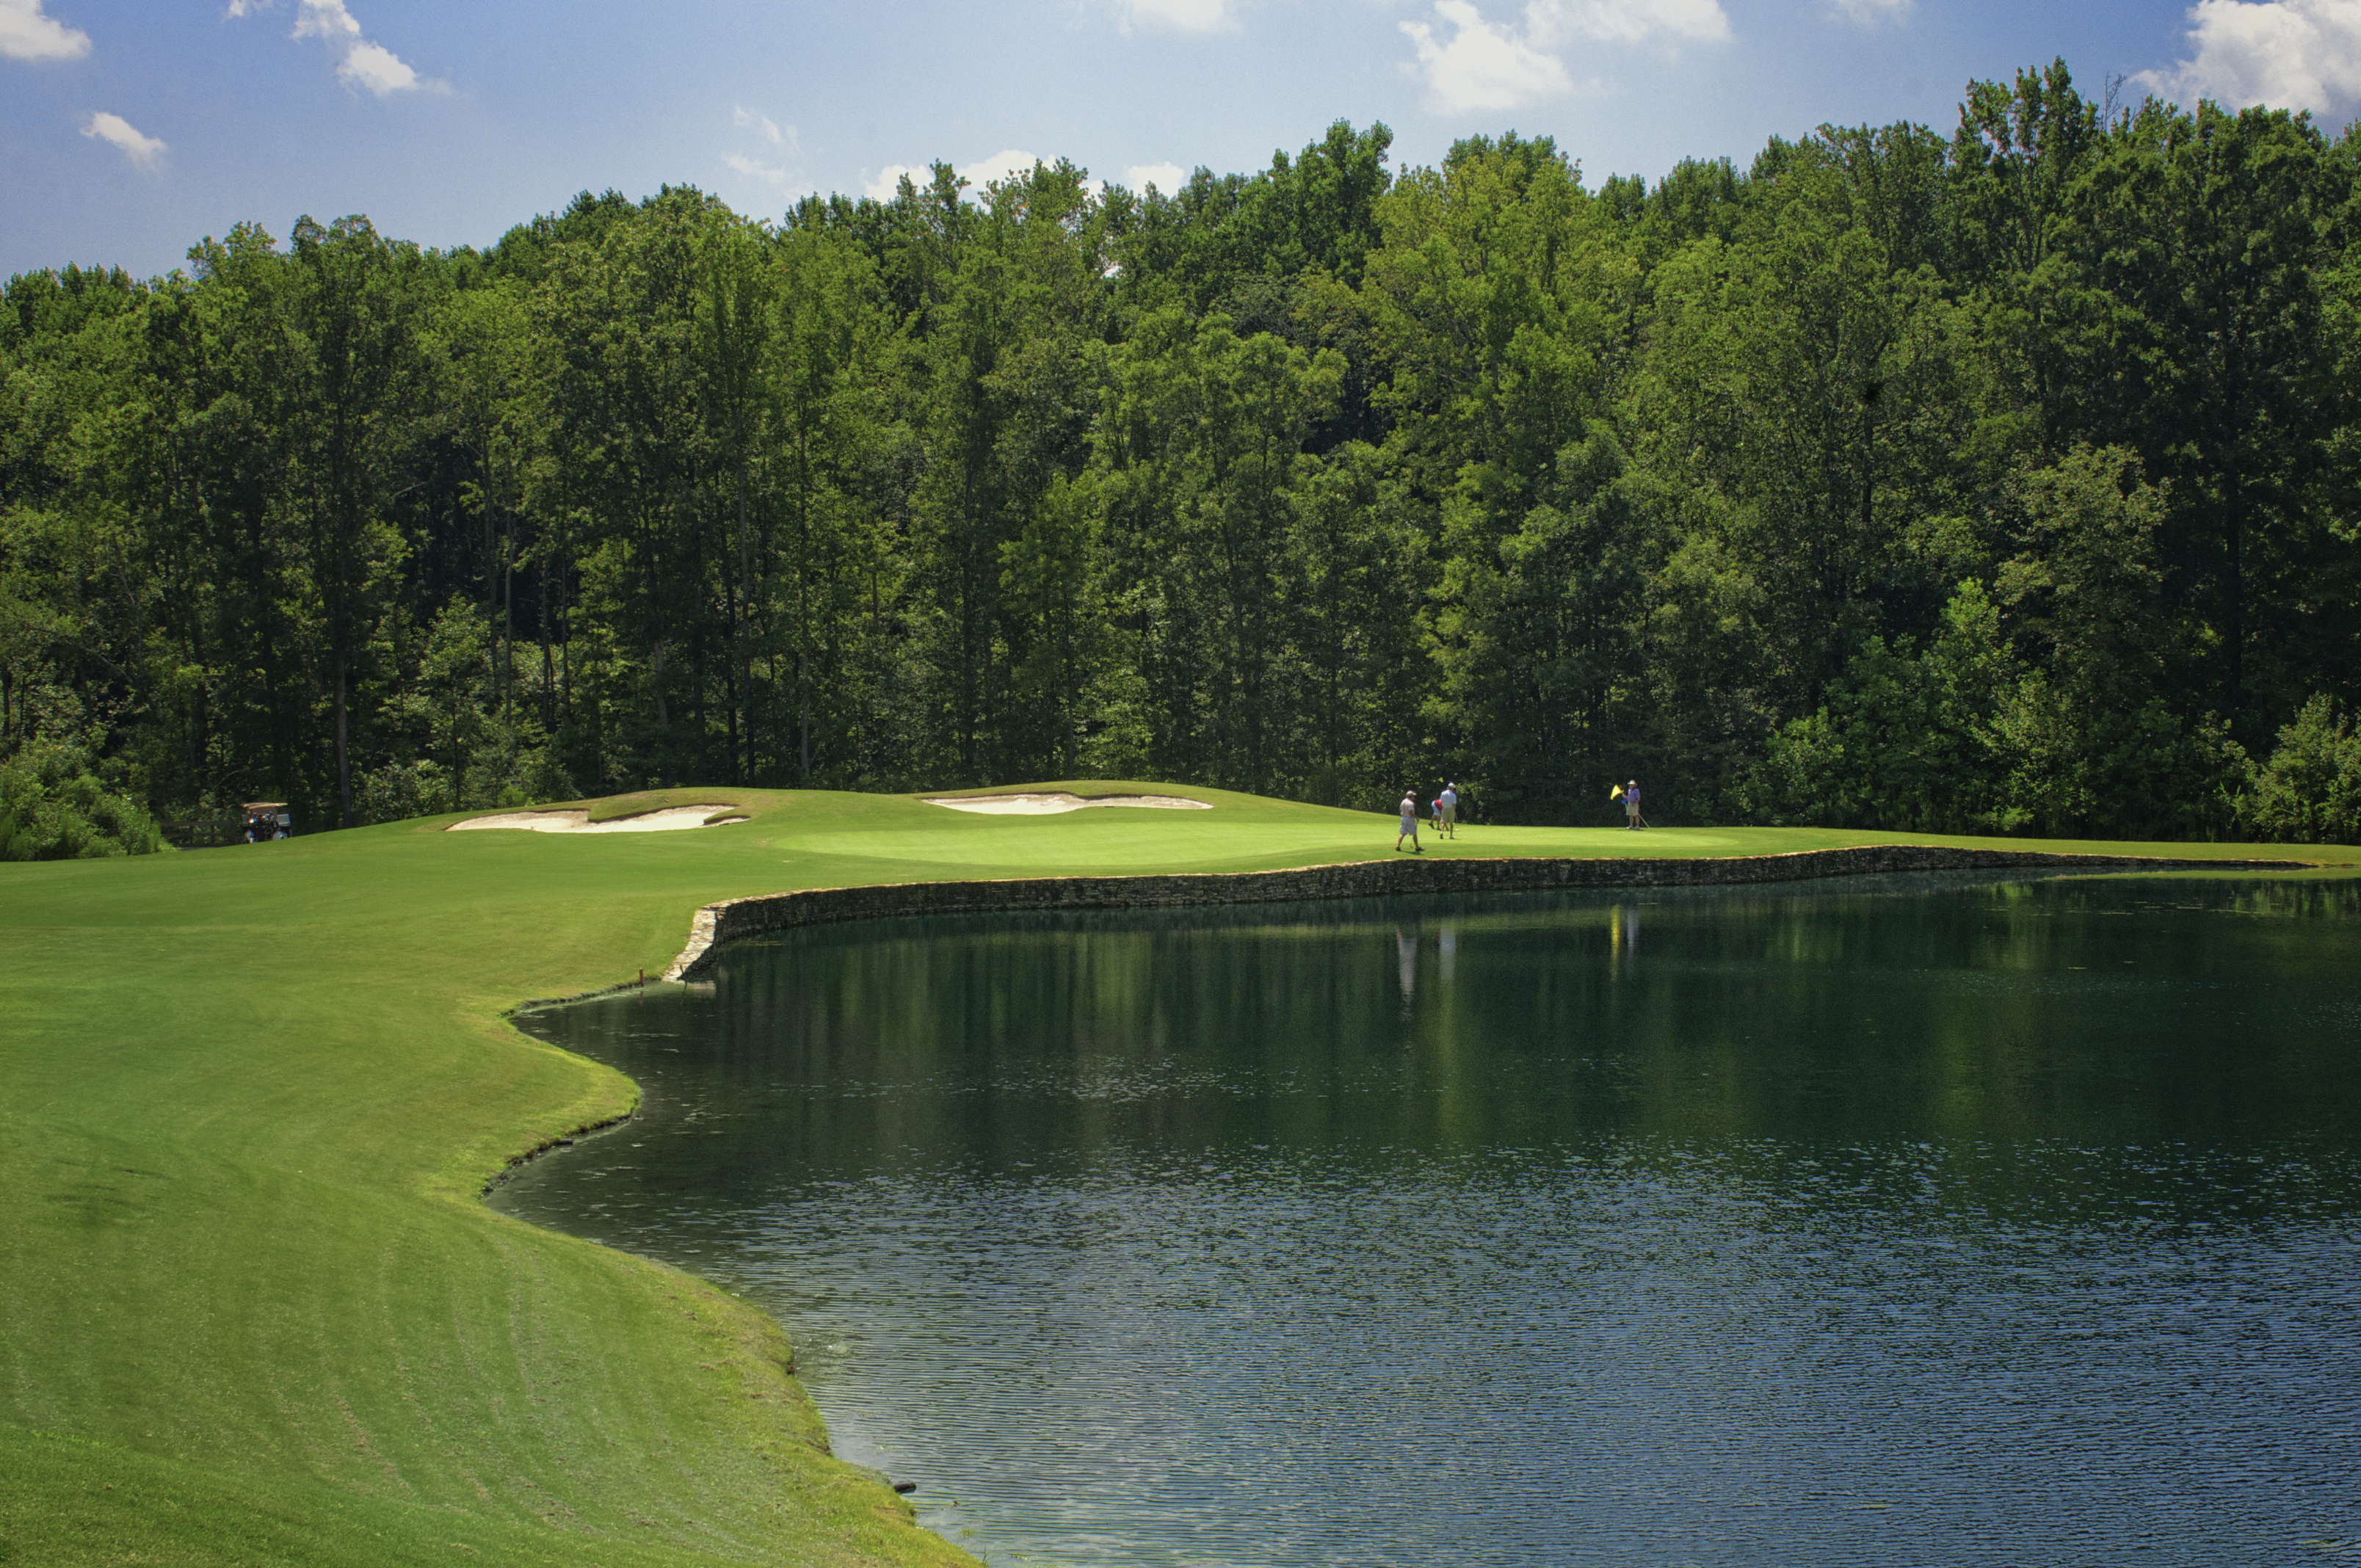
(1056, 801)
(662, 820)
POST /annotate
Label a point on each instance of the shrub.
(2309, 792)
(53, 808)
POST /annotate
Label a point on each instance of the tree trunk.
(343, 757)
(745, 660)
(2234, 634)
(508, 618)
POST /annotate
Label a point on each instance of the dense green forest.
(2003, 481)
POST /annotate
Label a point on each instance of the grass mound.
(253, 1308)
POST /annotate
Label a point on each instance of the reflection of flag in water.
(1623, 934)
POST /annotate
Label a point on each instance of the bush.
(2309, 790)
(52, 808)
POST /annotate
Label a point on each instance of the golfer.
(1409, 825)
(1450, 827)
(1632, 820)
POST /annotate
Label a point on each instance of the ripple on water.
(1573, 1236)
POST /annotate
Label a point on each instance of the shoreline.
(306, 1108)
(724, 921)
(517, 1163)
(727, 920)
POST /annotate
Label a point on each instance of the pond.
(1901, 1220)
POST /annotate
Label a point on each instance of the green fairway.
(252, 1307)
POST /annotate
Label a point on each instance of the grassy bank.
(252, 1308)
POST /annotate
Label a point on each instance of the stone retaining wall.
(734, 918)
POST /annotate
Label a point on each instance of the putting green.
(252, 1307)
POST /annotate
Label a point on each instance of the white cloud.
(1166, 177)
(27, 33)
(889, 181)
(772, 141)
(1481, 66)
(983, 173)
(1180, 16)
(778, 136)
(1553, 22)
(324, 20)
(999, 166)
(379, 69)
(360, 62)
(1869, 13)
(2290, 54)
(116, 131)
(769, 173)
(1487, 66)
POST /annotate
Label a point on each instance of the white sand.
(662, 820)
(1057, 801)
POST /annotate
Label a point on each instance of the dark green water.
(1903, 1221)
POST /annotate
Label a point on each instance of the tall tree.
(354, 303)
(2210, 232)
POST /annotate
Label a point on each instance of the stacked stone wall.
(736, 918)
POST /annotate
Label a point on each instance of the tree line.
(2001, 481)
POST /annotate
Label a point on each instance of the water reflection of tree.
(1964, 1020)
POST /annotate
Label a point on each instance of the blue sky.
(130, 128)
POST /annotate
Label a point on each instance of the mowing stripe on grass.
(252, 1307)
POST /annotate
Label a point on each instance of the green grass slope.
(252, 1308)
